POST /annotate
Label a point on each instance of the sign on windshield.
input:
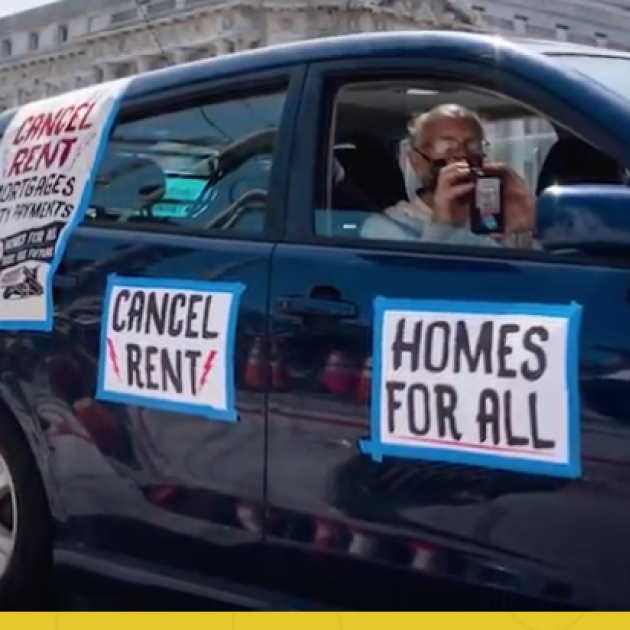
(181, 191)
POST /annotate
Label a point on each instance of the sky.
(11, 6)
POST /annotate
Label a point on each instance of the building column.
(254, 40)
(221, 47)
(85, 78)
(108, 71)
(51, 88)
(143, 64)
(179, 56)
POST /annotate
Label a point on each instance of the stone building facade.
(74, 43)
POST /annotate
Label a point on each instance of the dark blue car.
(285, 508)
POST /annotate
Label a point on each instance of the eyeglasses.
(450, 146)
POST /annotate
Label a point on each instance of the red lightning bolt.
(207, 366)
(113, 357)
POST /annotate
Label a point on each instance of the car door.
(177, 485)
(387, 531)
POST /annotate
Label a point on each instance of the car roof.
(455, 44)
(394, 44)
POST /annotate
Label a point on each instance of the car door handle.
(339, 309)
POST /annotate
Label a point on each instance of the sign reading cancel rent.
(169, 344)
(493, 385)
(49, 155)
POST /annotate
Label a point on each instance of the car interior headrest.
(374, 169)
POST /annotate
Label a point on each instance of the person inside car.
(444, 141)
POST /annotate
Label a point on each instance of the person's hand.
(452, 186)
(520, 204)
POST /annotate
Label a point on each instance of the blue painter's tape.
(572, 313)
(234, 289)
(48, 323)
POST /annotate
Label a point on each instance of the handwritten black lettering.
(473, 357)
(118, 324)
(160, 313)
(193, 357)
(156, 316)
(446, 406)
(488, 417)
(392, 387)
(538, 442)
(164, 369)
(505, 350)
(135, 312)
(176, 324)
(415, 391)
(150, 360)
(532, 339)
(191, 316)
(511, 438)
(134, 356)
(402, 346)
(173, 373)
(436, 346)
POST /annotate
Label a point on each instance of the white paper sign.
(48, 158)
(492, 385)
(169, 344)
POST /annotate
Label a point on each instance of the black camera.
(487, 211)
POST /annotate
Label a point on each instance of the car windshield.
(611, 72)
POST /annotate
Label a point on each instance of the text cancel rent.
(169, 345)
(49, 154)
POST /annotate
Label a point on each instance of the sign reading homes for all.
(492, 385)
(49, 155)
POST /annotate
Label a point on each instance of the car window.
(607, 70)
(205, 168)
(522, 142)
(382, 166)
(373, 175)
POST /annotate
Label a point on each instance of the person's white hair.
(450, 110)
